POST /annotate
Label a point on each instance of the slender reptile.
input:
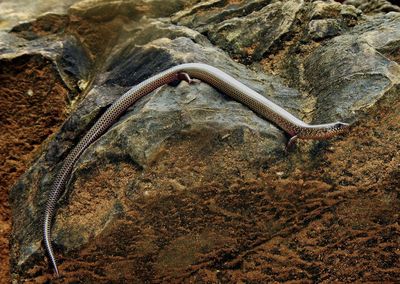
(206, 73)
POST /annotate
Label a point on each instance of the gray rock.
(381, 32)
(13, 14)
(46, 25)
(319, 29)
(206, 13)
(253, 35)
(373, 7)
(45, 36)
(348, 73)
(103, 10)
(328, 19)
(147, 30)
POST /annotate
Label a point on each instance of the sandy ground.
(32, 107)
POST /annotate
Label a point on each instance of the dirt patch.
(32, 106)
(346, 204)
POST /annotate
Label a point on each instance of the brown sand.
(32, 107)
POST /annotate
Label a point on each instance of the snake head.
(340, 127)
(323, 131)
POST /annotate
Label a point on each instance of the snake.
(220, 80)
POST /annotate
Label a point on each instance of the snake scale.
(206, 73)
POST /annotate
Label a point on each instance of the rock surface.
(191, 186)
(372, 7)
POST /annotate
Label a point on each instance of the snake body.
(206, 73)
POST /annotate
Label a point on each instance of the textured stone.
(104, 10)
(45, 36)
(325, 9)
(191, 186)
(250, 37)
(205, 13)
(349, 71)
(381, 33)
(16, 12)
(373, 7)
(331, 18)
(319, 29)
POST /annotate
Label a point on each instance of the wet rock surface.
(190, 185)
